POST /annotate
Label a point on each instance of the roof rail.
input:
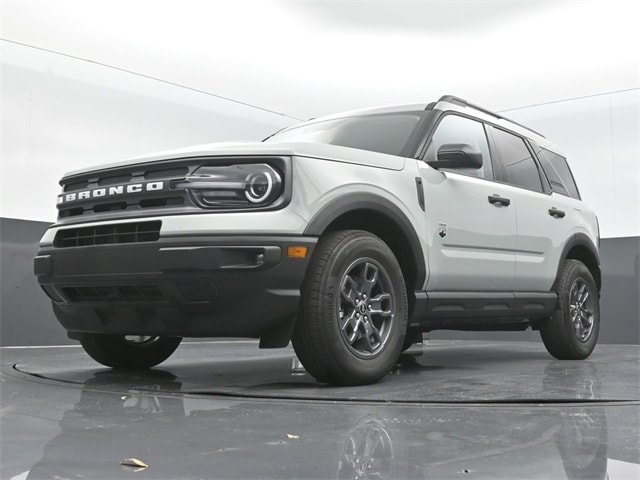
(463, 103)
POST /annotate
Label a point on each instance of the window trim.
(502, 177)
(573, 178)
(422, 151)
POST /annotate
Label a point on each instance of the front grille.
(122, 203)
(139, 204)
(136, 232)
(116, 293)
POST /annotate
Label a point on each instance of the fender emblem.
(442, 230)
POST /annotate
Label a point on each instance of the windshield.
(384, 133)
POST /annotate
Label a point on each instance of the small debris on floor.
(134, 462)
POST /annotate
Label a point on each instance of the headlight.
(234, 186)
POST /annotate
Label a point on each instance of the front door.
(470, 220)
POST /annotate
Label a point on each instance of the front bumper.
(215, 286)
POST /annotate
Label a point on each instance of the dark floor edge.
(238, 395)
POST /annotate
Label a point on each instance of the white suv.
(349, 235)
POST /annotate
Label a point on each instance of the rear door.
(543, 218)
(471, 236)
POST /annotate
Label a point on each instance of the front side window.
(519, 167)
(384, 133)
(457, 129)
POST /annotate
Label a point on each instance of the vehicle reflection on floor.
(147, 416)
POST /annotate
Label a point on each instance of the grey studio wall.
(62, 113)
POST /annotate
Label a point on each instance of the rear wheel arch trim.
(583, 241)
(364, 201)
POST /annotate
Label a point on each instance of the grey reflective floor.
(228, 410)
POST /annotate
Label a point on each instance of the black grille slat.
(137, 232)
(174, 172)
(114, 179)
(143, 204)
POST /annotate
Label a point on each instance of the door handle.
(498, 199)
(554, 212)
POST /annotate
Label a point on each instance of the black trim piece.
(495, 198)
(420, 190)
(414, 149)
(445, 309)
(228, 257)
(546, 184)
(419, 310)
(202, 286)
(554, 212)
(367, 201)
(582, 240)
(42, 265)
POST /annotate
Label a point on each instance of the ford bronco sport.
(348, 235)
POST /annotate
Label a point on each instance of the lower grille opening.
(115, 293)
(136, 232)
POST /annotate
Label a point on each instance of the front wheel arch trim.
(364, 201)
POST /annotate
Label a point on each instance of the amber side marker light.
(297, 251)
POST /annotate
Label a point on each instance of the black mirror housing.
(457, 155)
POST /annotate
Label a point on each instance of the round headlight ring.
(256, 181)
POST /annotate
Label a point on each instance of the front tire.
(412, 337)
(353, 313)
(572, 331)
(129, 352)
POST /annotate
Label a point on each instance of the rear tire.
(572, 331)
(353, 312)
(129, 352)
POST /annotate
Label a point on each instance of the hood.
(229, 149)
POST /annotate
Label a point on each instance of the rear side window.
(557, 170)
(519, 167)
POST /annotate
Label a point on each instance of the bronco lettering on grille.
(110, 191)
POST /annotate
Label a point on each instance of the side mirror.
(457, 155)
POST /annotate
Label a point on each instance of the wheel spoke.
(587, 319)
(369, 278)
(584, 298)
(579, 328)
(371, 445)
(377, 308)
(351, 327)
(371, 336)
(349, 290)
(583, 294)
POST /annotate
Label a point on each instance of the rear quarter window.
(558, 172)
